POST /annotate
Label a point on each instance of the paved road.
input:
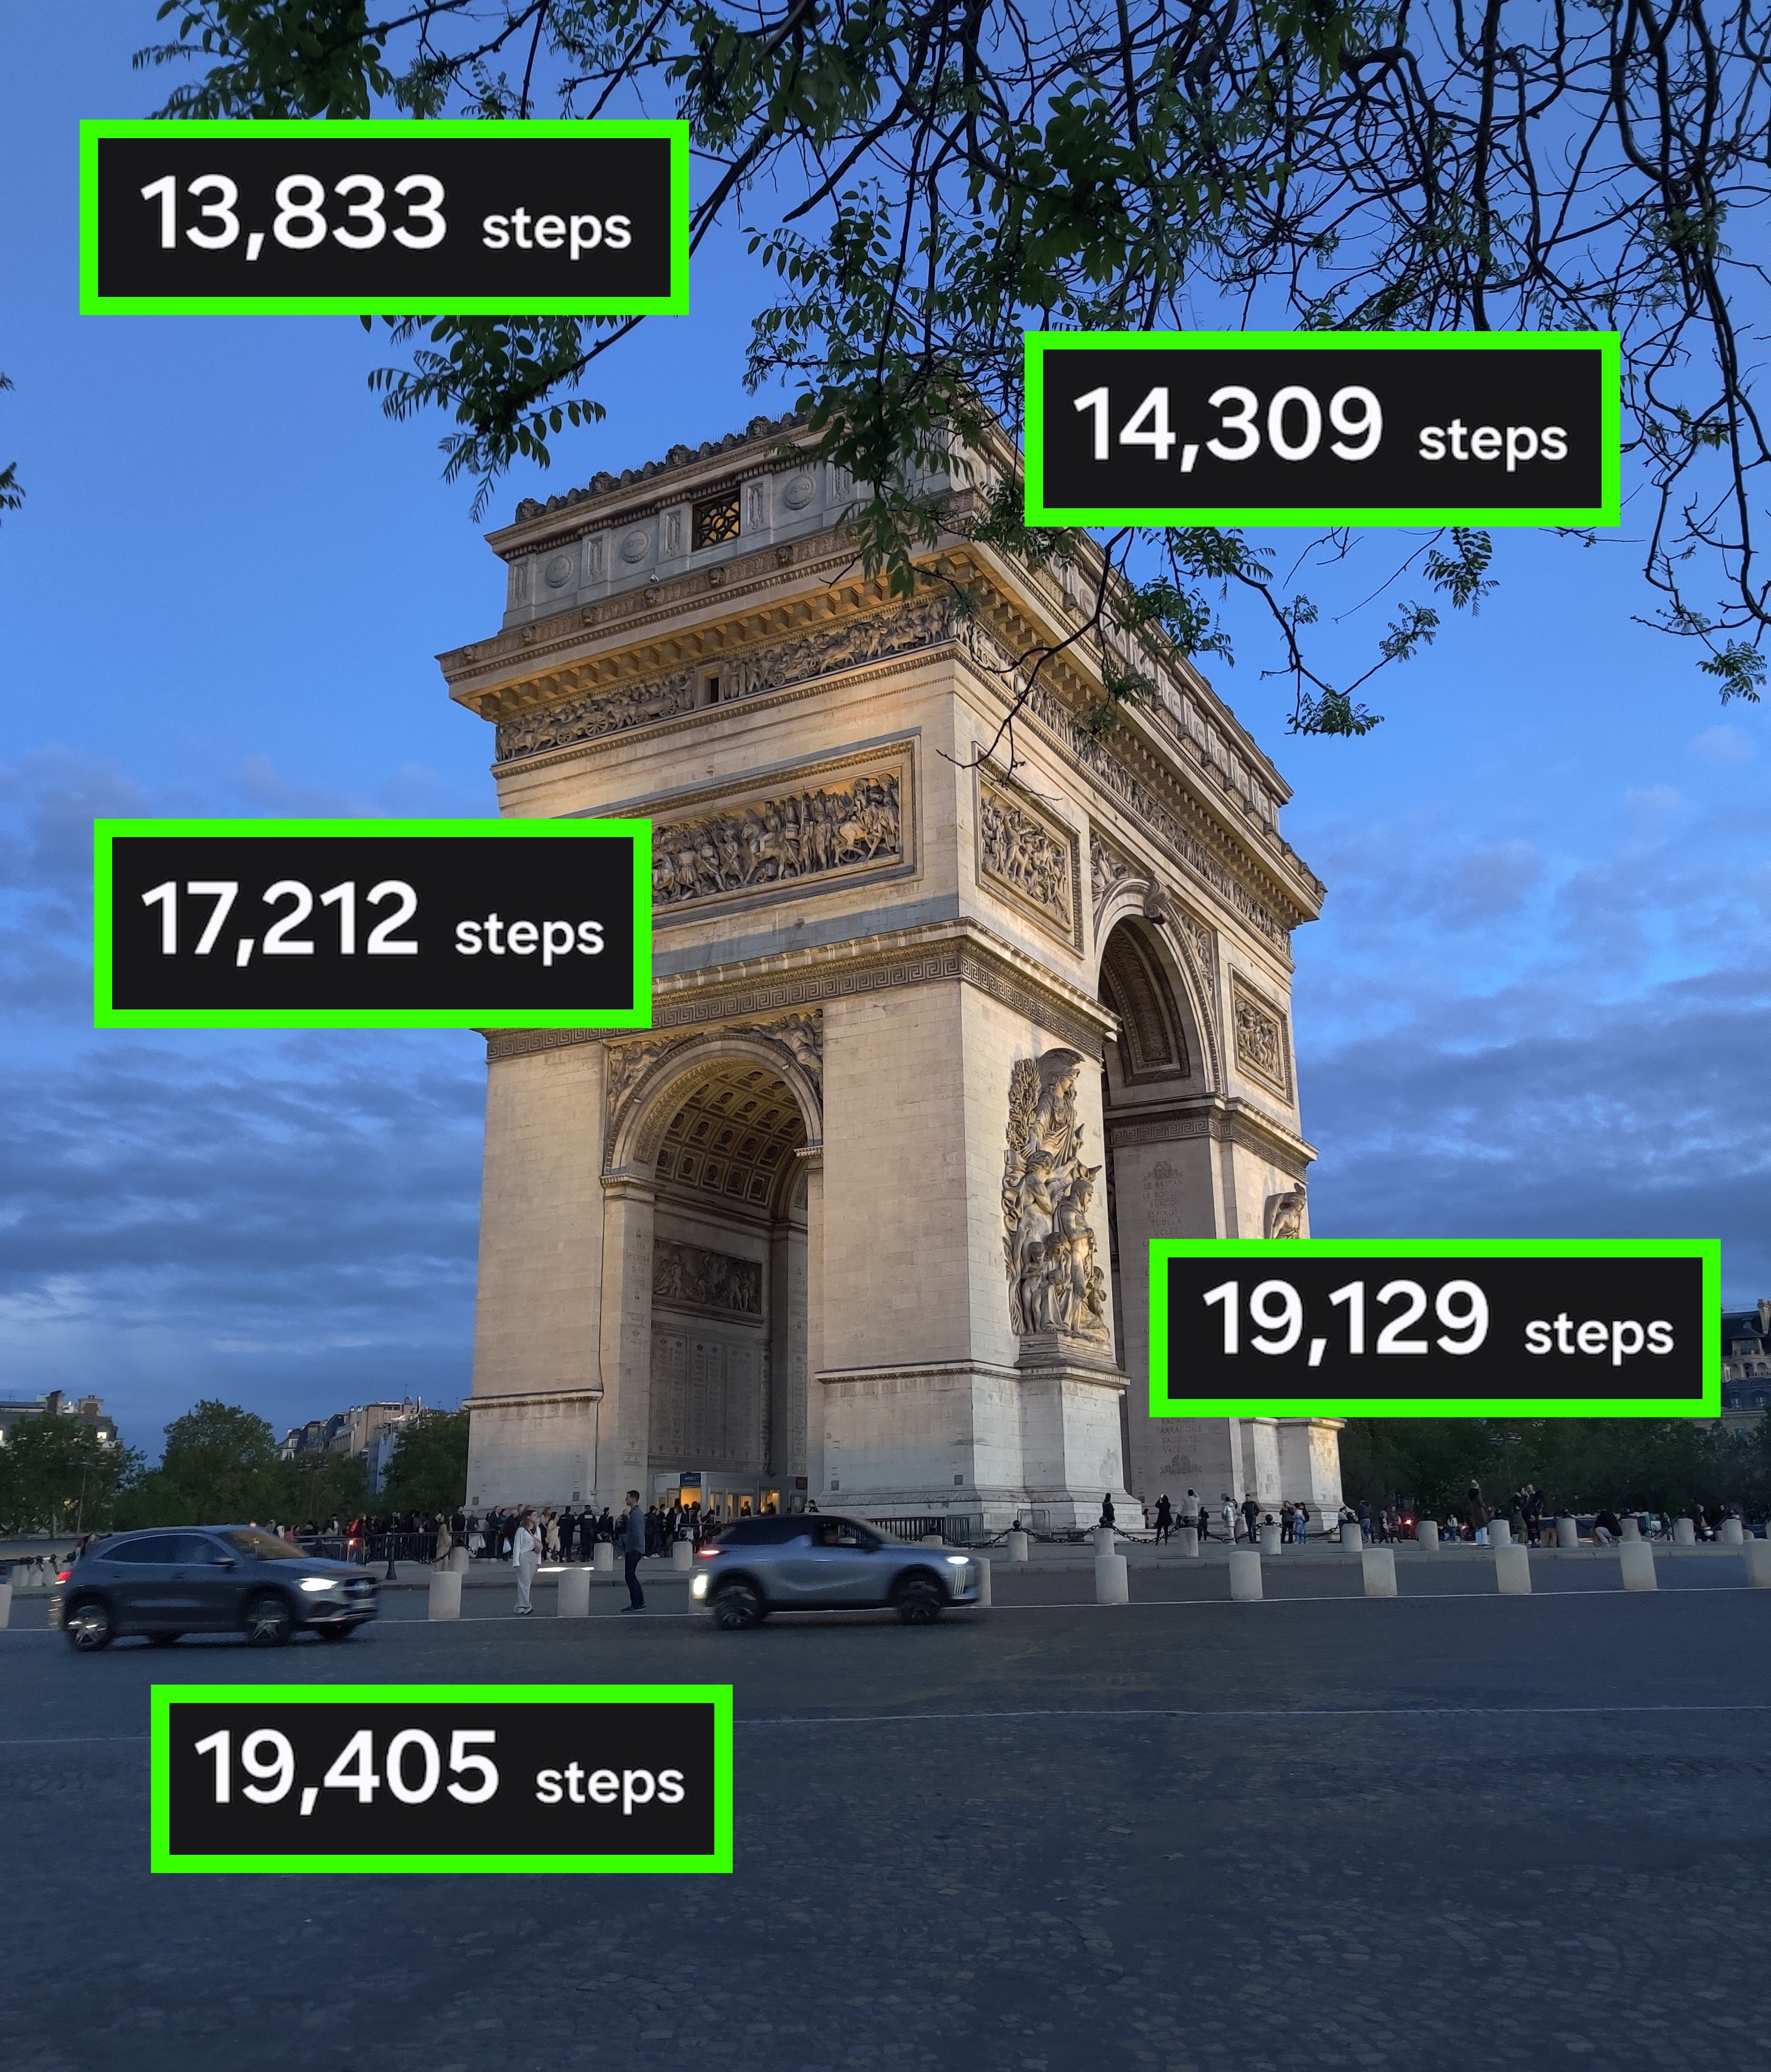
(1191, 1836)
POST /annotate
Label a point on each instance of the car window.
(263, 1546)
(763, 1532)
(197, 1550)
(156, 1546)
(844, 1532)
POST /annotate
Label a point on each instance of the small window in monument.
(717, 519)
(710, 690)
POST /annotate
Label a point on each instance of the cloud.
(1723, 745)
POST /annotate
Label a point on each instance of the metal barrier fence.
(365, 1547)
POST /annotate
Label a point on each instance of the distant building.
(370, 1429)
(15, 1410)
(1746, 1363)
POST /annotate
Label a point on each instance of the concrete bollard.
(984, 1584)
(1636, 1562)
(1427, 1534)
(1245, 1574)
(444, 1596)
(1106, 1540)
(1500, 1532)
(1189, 1537)
(1379, 1564)
(1567, 1532)
(458, 1559)
(1758, 1564)
(1730, 1533)
(574, 1597)
(1352, 1534)
(1272, 1538)
(602, 1558)
(1111, 1585)
(6, 1605)
(682, 1556)
(1684, 1532)
(1632, 1525)
(933, 1540)
(1017, 1546)
(1513, 1572)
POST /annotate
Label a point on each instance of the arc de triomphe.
(947, 1026)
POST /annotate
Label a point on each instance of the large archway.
(726, 1414)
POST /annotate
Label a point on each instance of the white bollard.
(1111, 1585)
(1379, 1564)
(1730, 1534)
(1636, 1560)
(574, 1595)
(1272, 1538)
(1189, 1537)
(1106, 1540)
(602, 1558)
(1426, 1534)
(1567, 1532)
(444, 1596)
(458, 1559)
(1352, 1534)
(933, 1540)
(1513, 1572)
(984, 1584)
(682, 1556)
(1632, 1525)
(1245, 1574)
(1684, 1532)
(1017, 1546)
(6, 1605)
(1758, 1564)
(1500, 1532)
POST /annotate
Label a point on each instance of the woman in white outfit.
(525, 1558)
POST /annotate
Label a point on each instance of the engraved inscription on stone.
(689, 1273)
(1055, 1282)
(800, 835)
(1024, 854)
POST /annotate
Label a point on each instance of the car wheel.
(739, 1605)
(919, 1601)
(334, 1633)
(89, 1626)
(268, 1623)
(163, 1639)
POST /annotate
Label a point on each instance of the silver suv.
(817, 1562)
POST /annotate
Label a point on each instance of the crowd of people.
(571, 1534)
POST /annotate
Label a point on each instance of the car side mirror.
(227, 1562)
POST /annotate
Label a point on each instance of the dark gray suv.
(815, 1562)
(212, 1579)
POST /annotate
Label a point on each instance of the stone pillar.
(1513, 1572)
(629, 1220)
(1111, 1582)
(1189, 1537)
(1426, 1534)
(682, 1556)
(573, 1601)
(1380, 1566)
(1245, 1585)
(983, 1583)
(1500, 1532)
(1272, 1538)
(817, 1465)
(1632, 1525)
(1567, 1532)
(1636, 1560)
(1729, 1533)
(1684, 1532)
(459, 1559)
(1017, 1546)
(1309, 1462)
(444, 1596)
(602, 1557)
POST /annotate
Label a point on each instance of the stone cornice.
(530, 1399)
(1231, 1119)
(965, 950)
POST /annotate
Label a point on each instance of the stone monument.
(952, 1017)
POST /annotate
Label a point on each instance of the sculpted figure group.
(1055, 1282)
(778, 839)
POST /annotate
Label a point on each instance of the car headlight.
(698, 1588)
(319, 1583)
(958, 1561)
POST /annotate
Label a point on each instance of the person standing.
(634, 1546)
(1251, 1518)
(1164, 1518)
(525, 1558)
(1107, 1511)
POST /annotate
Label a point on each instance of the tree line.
(218, 1463)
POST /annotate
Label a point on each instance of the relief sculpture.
(798, 835)
(1260, 1041)
(705, 1279)
(1019, 852)
(1055, 1282)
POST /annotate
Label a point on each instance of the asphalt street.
(1183, 1834)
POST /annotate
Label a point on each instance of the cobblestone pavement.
(1189, 1836)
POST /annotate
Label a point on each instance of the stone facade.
(949, 1021)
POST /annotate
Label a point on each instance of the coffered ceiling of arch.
(734, 1137)
(1152, 1042)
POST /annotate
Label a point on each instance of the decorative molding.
(832, 833)
(1029, 857)
(801, 1036)
(1107, 867)
(1055, 1282)
(689, 1276)
(1263, 1046)
(531, 1398)
(1235, 1122)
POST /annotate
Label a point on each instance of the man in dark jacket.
(1164, 1518)
(1250, 1519)
(633, 1541)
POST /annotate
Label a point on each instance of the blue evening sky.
(1536, 1004)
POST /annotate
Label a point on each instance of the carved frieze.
(690, 1277)
(1028, 854)
(1284, 1216)
(802, 1035)
(852, 823)
(1107, 867)
(1262, 1051)
(626, 1065)
(1055, 1281)
(873, 637)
